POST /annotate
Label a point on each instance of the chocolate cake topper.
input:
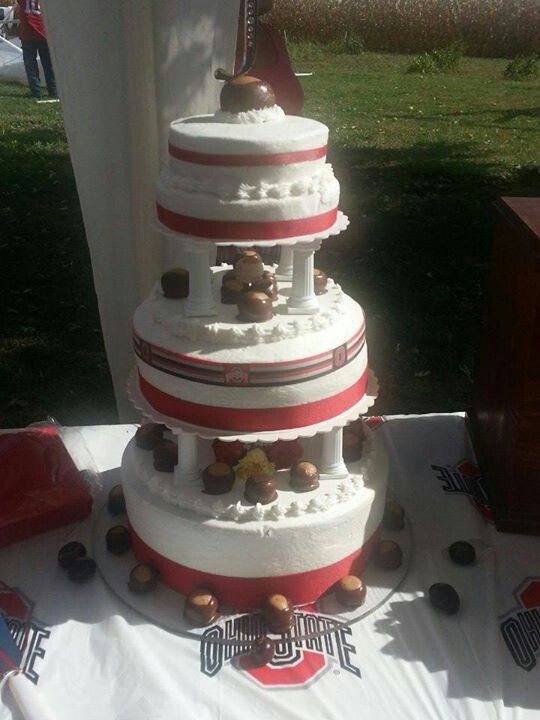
(249, 44)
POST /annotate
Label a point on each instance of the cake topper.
(241, 91)
(249, 44)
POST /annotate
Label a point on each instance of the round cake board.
(165, 607)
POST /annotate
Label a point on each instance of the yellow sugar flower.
(254, 462)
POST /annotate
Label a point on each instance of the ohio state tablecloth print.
(94, 658)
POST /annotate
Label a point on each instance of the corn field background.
(487, 28)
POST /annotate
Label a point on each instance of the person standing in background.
(34, 43)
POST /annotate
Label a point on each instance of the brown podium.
(505, 418)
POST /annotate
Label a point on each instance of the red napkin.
(40, 487)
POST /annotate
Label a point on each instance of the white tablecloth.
(94, 658)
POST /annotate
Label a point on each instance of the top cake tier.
(251, 176)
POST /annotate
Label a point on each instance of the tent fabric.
(125, 70)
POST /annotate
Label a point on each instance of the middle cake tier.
(291, 371)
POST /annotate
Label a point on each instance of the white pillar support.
(284, 270)
(200, 302)
(332, 465)
(187, 470)
(303, 298)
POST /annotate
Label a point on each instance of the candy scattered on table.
(278, 612)
(387, 555)
(462, 552)
(443, 597)
(394, 516)
(82, 570)
(201, 607)
(116, 503)
(69, 553)
(143, 579)
(262, 652)
(118, 540)
(350, 591)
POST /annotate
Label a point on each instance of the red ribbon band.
(285, 158)
(235, 230)
(255, 419)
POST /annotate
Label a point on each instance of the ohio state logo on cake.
(464, 478)
(520, 628)
(295, 663)
(29, 634)
(235, 375)
(340, 356)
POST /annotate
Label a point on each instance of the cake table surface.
(94, 657)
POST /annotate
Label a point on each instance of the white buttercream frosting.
(227, 332)
(250, 117)
(321, 182)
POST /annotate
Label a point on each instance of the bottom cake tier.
(299, 552)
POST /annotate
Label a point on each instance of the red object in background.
(40, 487)
(505, 418)
(31, 25)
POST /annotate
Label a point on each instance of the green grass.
(420, 160)
(52, 360)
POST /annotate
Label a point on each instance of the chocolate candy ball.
(249, 268)
(284, 453)
(143, 579)
(320, 281)
(387, 555)
(218, 478)
(232, 289)
(165, 456)
(69, 553)
(353, 446)
(304, 476)
(462, 553)
(116, 503)
(267, 284)
(246, 93)
(278, 612)
(255, 307)
(394, 516)
(118, 540)
(82, 570)
(201, 607)
(229, 452)
(175, 283)
(149, 435)
(262, 652)
(260, 489)
(443, 597)
(351, 591)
